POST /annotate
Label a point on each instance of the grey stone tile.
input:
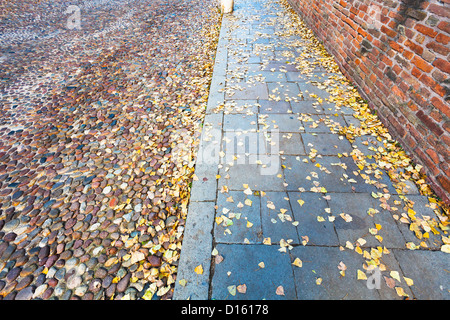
(312, 92)
(297, 171)
(264, 177)
(277, 225)
(278, 66)
(297, 76)
(249, 91)
(281, 122)
(288, 144)
(241, 106)
(243, 142)
(319, 233)
(306, 106)
(266, 76)
(357, 205)
(269, 106)
(322, 262)
(239, 122)
(322, 123)
(239, 231)
(428, 270)
(242, 261)
(326, 143)
(284, 90)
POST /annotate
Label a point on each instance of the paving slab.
(243, 219)
(277, 219)
(326, 144)
(270, 106)
(297, 171)
(429, 271)
(334, 286)
(306, 208)
(249, 91)
(356, 205)
(288, 144)
(281, 122)
(241, 262)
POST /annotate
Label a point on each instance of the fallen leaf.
(361, 275)
(232, 290)
(297, 262)
(280, 291)
(198, 269)
(242, 288)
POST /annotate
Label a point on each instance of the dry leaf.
(198, 269)
(280, 291)
(242, 288)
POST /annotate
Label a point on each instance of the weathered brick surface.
(397, 53)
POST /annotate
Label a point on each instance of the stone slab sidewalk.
(255, 211)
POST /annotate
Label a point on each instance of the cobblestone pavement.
(101, 102)
(287, 204)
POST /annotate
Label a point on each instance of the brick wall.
(397, 53)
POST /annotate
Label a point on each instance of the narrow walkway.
(279, 208)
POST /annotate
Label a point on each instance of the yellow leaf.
(199, 269)
(261, 265)
(297, 262)
(319, 281)
(182, 282)
(320, 219)
(267, 241)
(400, 292)
(361, 275)
(232, 290)
(409, 281)
(300, 202)
(248, 202)
(249, 224)
(395, 275)
(445, 248)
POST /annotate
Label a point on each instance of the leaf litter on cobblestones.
(104, 137)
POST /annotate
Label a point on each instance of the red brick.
(440, 10)
(426, 30)
(443, 107)
(391, 33)
(445, 182)
(433, 155)
(442, 38)
(436, 47)
(433, 126)
(442, 64)
(444, 26)
(422, 64)
(414, 47)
